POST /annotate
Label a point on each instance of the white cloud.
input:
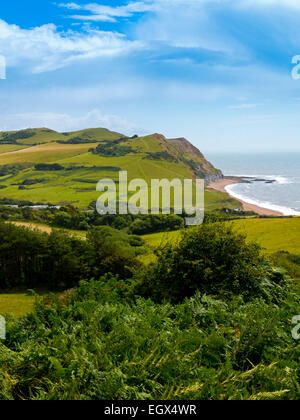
(177, 23)
(99, 12)
(66, 122)
(108, 13)
(44, 48)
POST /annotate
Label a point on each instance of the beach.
(223, 183)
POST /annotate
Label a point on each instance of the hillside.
(77, 160)
(36, 136)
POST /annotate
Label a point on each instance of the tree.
(212, 258)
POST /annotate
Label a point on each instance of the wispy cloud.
(102, 13)
(45, 48)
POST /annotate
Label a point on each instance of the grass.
(44, 153)
(42, 135)
(63, 187)
(157, 239)
(16, 303)
(273, 235)
(80, 234)
(6, 148)
(279, 234)
(215, 200)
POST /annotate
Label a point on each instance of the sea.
(273, 178)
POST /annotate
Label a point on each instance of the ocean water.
(284, 168)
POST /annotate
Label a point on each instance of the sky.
(218, 72)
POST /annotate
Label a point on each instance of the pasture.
(17, 303)
(273, 235)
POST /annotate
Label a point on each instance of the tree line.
(59, 260)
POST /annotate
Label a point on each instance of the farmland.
(17, 303)
(278, 234)
(206, 316)
(76, 182)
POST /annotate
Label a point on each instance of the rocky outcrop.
(184, 151)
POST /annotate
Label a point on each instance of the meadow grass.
(17, 303)
(80, 234)
(157, 239)
(273, 235)
(6, 148)
(42, 135)
(64, 187)
(279, 234)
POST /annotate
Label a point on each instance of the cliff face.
(188, 154)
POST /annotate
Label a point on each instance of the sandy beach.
(222, 183)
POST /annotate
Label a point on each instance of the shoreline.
(231, 180)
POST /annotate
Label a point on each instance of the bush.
(212, 258)
(156, 223)
(112, 149)
(93, 344)
(48, 167)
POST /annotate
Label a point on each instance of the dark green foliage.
(161, 156)
(156, 223)
(77, 140)
(211, 258)
(32, 258)
(83, 220)
(112, 149)
(100, 341)
(58, 167)
(13, 169)
(110, 252)
(13, 202)
(33, 181)
(92, 343)
(290, 262)
(48, 167)
(11, 138)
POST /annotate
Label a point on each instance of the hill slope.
(35, 136)
(84, 157)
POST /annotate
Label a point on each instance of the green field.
(279, 234)
(45, 228)
(273, 235)
(16, 303)
(76, 183)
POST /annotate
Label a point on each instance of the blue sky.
(217, 72)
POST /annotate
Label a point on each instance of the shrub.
(211, 258)
(48, 167)
(93, 344)
(156, 223)
(112, 149)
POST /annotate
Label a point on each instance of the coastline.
(226, 181)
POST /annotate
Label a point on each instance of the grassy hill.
(86, 156)
(35, 136)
